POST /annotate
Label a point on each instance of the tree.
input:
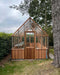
(40, 10)
(56, 31)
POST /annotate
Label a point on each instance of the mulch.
(5, 60)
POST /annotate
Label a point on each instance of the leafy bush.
(5, 44)
(51, 51)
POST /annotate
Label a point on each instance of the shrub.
(5, 44)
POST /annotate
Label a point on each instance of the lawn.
(29, 67)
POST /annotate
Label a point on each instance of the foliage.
(49, 31)
(51, 51)
(5, 44)
(40, 10)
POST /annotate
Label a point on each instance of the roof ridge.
(33, 22)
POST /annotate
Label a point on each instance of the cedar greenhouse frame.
(30, 41)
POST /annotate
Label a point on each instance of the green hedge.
(5, 44)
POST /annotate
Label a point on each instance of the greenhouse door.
(29, 52)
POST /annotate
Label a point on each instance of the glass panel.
(32, 39)
(38, 42)
(44, 42)
(29, 39)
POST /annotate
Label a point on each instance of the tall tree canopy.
(40, 10)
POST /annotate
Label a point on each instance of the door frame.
(34, 41)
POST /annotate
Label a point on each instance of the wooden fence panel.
(40, 53)
(17, 53)
(29, 53)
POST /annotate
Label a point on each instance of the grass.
(29, 67)
(18, 66)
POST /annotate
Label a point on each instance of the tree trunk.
(56, 30)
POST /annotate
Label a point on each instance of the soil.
(5, 60)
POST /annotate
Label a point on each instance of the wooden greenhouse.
(30, 41)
